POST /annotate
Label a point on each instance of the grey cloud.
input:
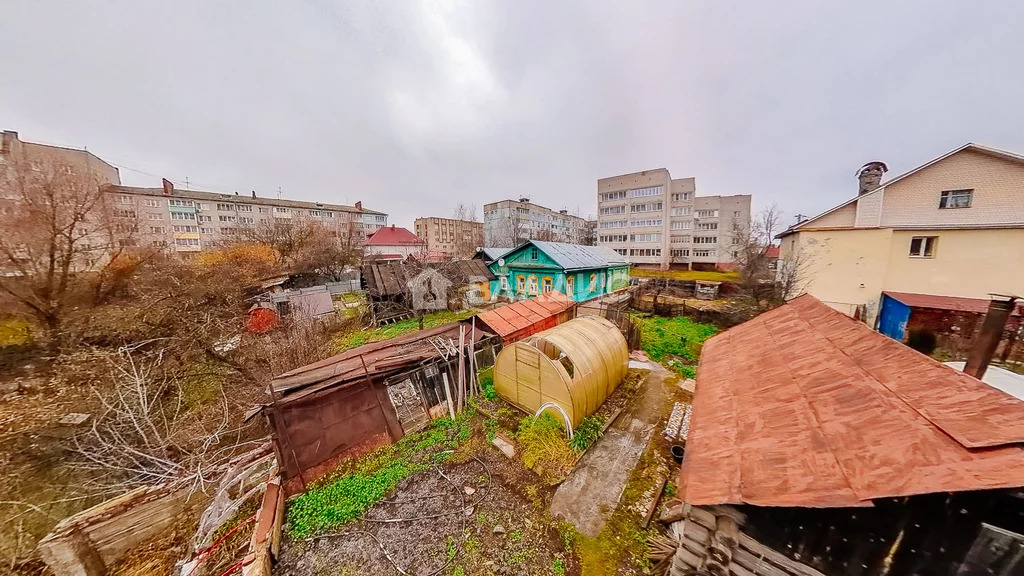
(414, 106)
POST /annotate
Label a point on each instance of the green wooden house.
(581, 272)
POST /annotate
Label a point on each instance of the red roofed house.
(818, 445)
(527, 317)
(393, 243)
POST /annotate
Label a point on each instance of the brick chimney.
(359, 205)
(870, 176)
(8, 141)
(984, 347)
(168, 186)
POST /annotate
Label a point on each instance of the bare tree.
(511, 231)
(63, 238)
(465, 239)
(752, 244)
(309, 246)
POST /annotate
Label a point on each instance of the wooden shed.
(573, 366)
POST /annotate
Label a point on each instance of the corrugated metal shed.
(804, 406)
(521, 319)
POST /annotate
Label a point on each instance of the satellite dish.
(501, 261)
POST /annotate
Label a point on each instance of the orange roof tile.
(804, 406)
(520, 315)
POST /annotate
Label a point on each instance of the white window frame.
(926, 248)
(952, 199)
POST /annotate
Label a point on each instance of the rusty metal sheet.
(803, 406)
(955, 303)
(523, 315)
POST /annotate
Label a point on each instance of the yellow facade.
(849, 255)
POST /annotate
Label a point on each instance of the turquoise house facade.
(580, 272)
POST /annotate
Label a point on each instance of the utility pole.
(278, 192)
(800, 218)
(186, 183)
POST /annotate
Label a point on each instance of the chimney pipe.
(359, 205)
(999, 310)
(870, 176)
(253, 193)
(168, 186)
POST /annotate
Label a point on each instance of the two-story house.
(953, 226)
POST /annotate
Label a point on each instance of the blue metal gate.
(892, 320)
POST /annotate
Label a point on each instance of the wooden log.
(674, 513)
(775, 557)
(697, 532)
(698, 548)
(731, 512)
(684, 560)
(716, 569)
(275, 534)
(737, 570)
(654, 502)
(703, 517)
(719, 553)
(727, 532)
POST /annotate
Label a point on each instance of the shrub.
(486, 379)
(545, 447)
(587, 433)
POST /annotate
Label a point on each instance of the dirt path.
(592, 490)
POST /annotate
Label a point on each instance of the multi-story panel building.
(509, 222)
(454, 238)
(191, 220)
(13, 150)
(655, 221)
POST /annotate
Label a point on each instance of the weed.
(518, 558)
(587, 433)
(486, 379)
(472, 545)
(558, 567)
(670, 489)
(491, 428)
(545, 448)
(351, 340)
(481, 519)
(458, 571)
(515, 535)
(680, 336)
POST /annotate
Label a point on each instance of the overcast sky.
(412, 107)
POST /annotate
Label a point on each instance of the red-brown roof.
(956, 303)
(804, 406)
(394, 236)
(772, 252)
(521, 315)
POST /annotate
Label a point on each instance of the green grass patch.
(544, 447)
(679, 336)
(351, 340)
(587, 433)
(15, 331)
(685, 275)
(358, 484)
(486, 379)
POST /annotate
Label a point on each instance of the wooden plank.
(275, 534)
(703, 517)
(775, 557)
(758, 565)
(654, 501)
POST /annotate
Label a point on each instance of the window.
(520, 284)
(225, 207)
(202, 218)
(682, 196)
(955, 199)
(681, 211)
(504, 283)
(182, 216)
(620, 251)
(157, 229)
(124, 199)
(680, 239)
(736, 214)
(263, 210)
(645, 252)
(614, 224)
(152, 202)
(154, 216)
(315, 213)
(125, 213)
(649, 207)
(533, 285)
(546, 285)
(187, 241)
(646, 237)
(613, 210)
(644, 192)
(226, 218)
(533, 253)
(187, 229)
(707, 213)
(243, 208)
(613, 195)
(280, 210)
(245, 220)
(173, 202)
(644, 223)
(593, 282)
(705, 239)
(707, 226)
(202, 206)
(923, 246)
(570, 285)
(682, 224)
(207, 231)
(703, 253)
(614, 238)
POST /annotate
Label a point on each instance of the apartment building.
(191, 220)
(509, 222)
(451, 237)
(36, 156)
(950, 229)
(656, 221)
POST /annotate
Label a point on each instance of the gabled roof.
(575, 256)
(1005, 155)
(521, 315)
(394, 236)
(492, 253)
(804, 406)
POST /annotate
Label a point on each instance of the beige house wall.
(998, 197)
(456, 238)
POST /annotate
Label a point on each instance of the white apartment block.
(655, 221)
(192, 220)
(509, 222)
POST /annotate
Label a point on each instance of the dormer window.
(955, 198)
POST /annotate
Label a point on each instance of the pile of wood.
(709, 540)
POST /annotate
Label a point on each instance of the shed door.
(405, 397)
(892, 320)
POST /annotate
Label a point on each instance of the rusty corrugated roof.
(955, 303)
(510, 319)
(804, 406)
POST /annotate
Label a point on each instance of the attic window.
(533, 254)
(955, 198)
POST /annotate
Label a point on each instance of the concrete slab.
(592, 490)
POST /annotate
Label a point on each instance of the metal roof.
(576, 256)
(804, 406)
(955, 303)
(492, 253)
(508, 320)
